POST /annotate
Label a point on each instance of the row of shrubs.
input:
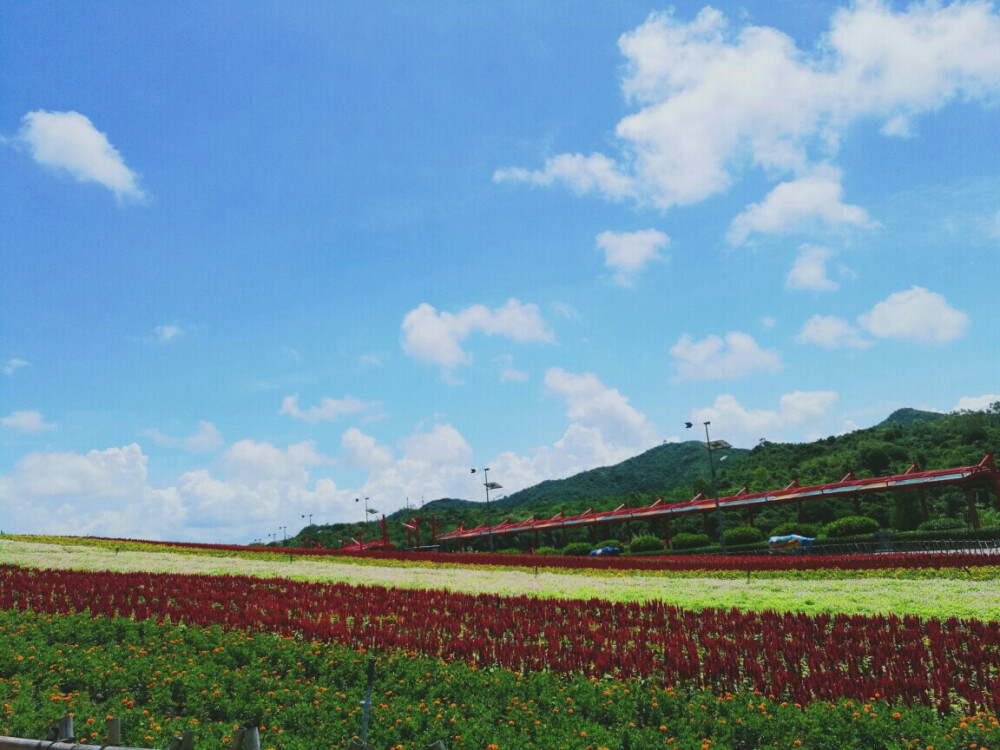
(741, 536)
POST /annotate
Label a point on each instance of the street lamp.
(365, 522)
(284, 532)
(714, 445)
(310, 518)
(489, 486)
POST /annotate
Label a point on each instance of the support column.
(750, 516)
(970, 499)
(802, 512)
(857, 505)
(923, 504)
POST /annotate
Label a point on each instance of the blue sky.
(261, 259)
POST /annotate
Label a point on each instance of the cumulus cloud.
(434, 337)
(626, 253)
(591, 404)
(206, 439)
(741, 426)
(113, 473)
(26, 421)
(12, 365)
(329, 409)
(582, 174)
(915, 315)
(977, 403)
(831, 332)
(714, 97)
(797, 205)
(68, 142)
(363, 450)
(715, 358)
(809, 271)
(604, 429)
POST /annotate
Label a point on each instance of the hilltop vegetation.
(679, 471)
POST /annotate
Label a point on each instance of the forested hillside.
(678, 471)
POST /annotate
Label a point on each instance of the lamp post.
(715, 487)
(284, 533)
(489, 486)
(310, 517)
(365, 522)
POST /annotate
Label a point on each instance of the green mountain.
(678, 471)
(907, 417)
(638, 481)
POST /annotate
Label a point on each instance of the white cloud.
(113, 473)
(593, 405)
(798, 205)
(582, 174)
(627, 252)
(168, 332)
(436, 337)
(977, 403)
(206, 439)
(251, 462)
(508, 372)
(809, 271)
(329, 409)
(363, 450)
(831, 332)
(741, 426)
(69, 142)
(604, 429)
(713, 358)
(26, 421)
(12, 365)
(103, 493)
(257, 486)
(715, 97)
(915, 315)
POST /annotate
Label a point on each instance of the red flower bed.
(797, 656)
(741, 563)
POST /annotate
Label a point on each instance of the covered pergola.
(983, 474)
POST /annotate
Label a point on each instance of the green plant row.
(162, 679)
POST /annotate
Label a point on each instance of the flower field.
(169, 651)
(680, 563)
(750, 667)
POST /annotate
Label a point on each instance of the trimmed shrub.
(941, 524)
(689, 541)
(547, 551)
(609, 543)
(851, 526)
(743, 535)
(796, 527)
(577, 549)
(646, 544)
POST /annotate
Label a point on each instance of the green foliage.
(795, 527)
(689, 541)
(577, 549)
(941, 524)
(609, 543)
(851, 526)
(305, 695)
(646, 544)
(743, 535)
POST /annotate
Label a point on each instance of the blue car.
(606, 551)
